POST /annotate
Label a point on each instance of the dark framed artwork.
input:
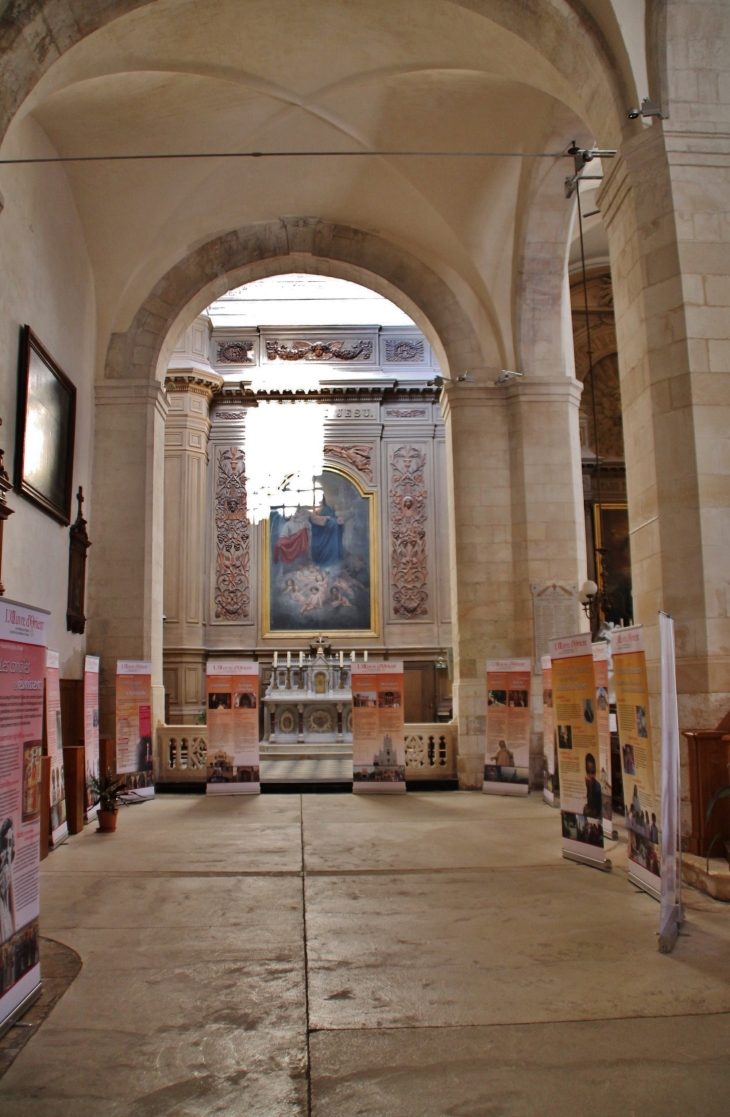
(45, 430)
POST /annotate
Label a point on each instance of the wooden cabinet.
(709, 757)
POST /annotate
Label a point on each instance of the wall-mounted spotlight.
(504, 376)
(465, 378)
(648, 108)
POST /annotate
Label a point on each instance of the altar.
(309, 698)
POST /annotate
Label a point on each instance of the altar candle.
(276, 659)
(288, 659)
(301, 659)
(342, 658)
(365, 655)
(352, 656)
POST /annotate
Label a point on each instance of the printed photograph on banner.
(54, 745)
(91, 731)
(233, 727)
(378, 717)
(22, 675)
(633, 721)
(507, 756)
(135, 761)
(575, 711)
(601, 653)
(551, 781)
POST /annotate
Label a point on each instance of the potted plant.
(109, 792)
(721, 793)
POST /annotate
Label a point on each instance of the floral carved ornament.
(232, 563)
(409, 562)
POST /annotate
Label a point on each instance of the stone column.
(668, 218)
(125, 560)
(190, 385)
(480, 542)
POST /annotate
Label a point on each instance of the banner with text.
(23, 635)
(551, 782)
(603, 725)
(637, 757)
(54, 744)
(91, 731)
(378, 736)
(574, 699)
(134, 726)
(233, 727)
(507, 757)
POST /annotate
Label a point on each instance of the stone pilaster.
(125, 561)
(186, 517)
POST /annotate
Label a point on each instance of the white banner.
(671, 914)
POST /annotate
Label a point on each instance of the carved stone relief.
(232, 571)
(359, 456)
(400, 413)
(319, 351)
(235, 352)
(222, 414)
(399, 352)
(407, 503)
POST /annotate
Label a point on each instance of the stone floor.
(429, 955)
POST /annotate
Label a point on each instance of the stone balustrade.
(182, 750)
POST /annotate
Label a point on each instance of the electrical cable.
(293, 155)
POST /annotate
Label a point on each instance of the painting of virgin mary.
(319, 561)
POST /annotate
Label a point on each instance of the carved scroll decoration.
(409, 563)
(399, 413)
(359, 456)
(399, 352)
(319, 351)
(234, 352)
(233, 558)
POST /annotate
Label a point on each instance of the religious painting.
(614, 555)
(320, 560)
(45, 432)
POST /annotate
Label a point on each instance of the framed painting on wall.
(320, 560)
(45, 430)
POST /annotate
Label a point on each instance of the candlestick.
(342, 658)
(352, 656)
(288, 659)
(365, 655)
(301, 659)
(276, 659)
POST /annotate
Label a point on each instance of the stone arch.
(290, 244)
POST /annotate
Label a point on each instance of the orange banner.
(507, 756)
(54, 745)
(91, 731)
(603, 726)
(233, 727)
(378, 735)
(134, 726)
(551, 782)
(574, 700)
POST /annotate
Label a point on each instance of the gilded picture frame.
(335, 633)
(45, 429)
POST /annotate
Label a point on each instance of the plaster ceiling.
(342, 75)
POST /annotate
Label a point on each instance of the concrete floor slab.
(437, 958)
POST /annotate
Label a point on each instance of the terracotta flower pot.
(107, 820)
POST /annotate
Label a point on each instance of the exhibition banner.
(54, 745)
(551, 783)
(507, 757)
(233, 727)
(91, 731)
(378, 734)
(603, 725)
(23, 636)
(581, 799)
(637, 757)
(134, 726)
(671, 915)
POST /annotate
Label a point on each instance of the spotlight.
(648, 109)
(504, 376)
(465, 378)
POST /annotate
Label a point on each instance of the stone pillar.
(480, 541)
(667, 213)
(190, 385)
(125, 560)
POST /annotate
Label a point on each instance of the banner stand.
(507, 752)
(13, 1017)
(604, 864)
(671, 915)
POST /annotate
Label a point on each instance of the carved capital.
(195, 381)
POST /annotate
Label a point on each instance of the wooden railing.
(182, 752)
